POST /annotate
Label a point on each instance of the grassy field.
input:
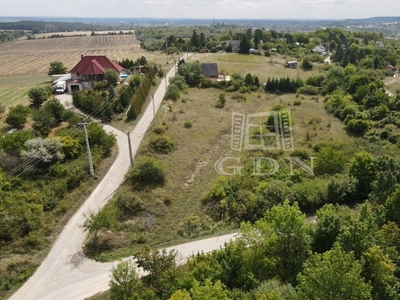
(393, 84)
(259, 65)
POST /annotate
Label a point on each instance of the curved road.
(66, 274)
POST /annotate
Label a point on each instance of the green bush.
(147, 171)
(188, 124)
(221, 100)
(309, 90)
(128, 206)
(160, 73)
(173, 92)
(161, 144)
(100, 85)
(158, 130)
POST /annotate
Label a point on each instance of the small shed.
(209, 70)
(291, 64)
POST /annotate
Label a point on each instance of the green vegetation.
(40, 177)
(272, 259)
(57, 67)
(6, 36)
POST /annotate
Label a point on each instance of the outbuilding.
(291, 64)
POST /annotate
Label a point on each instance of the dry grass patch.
(259, 65)
(190, 168)
(393, 84)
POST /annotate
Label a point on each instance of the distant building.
(380, 44)
(291, 64)
(234, 43)
(319, 49)
(209, 70)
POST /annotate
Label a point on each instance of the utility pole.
(130, 148)
(154, 111)
(84, 124)
(166, 47)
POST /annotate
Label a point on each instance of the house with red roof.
(89, 70)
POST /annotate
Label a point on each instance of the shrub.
(309, 90)
(148, 171)
(297, 102)
(188, 124)
(221, 100)
(160, 73)
(161, 144)
(100, 85)
(111, 76)
(358, 126)
(306, 64)
(158, 130)
(17, 115)
(173, 92)
(128, 206)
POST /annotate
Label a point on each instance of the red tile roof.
(95, 65)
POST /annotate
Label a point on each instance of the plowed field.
(31, 57)
(25, 63)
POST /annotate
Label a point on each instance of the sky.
(203, 9)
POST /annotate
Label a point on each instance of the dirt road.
(66, 273)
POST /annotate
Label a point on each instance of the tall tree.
(330, 221)
(244, 45)
(359, 232)
(379, 270)
(258, 36)
(111, 76)
(284, 235)
(17, 115)
(57, 67)
(363, 169)
(125, 283)
(161, 269)
(194, 40)
(38, 95)
(333, 275)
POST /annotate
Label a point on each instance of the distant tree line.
(283, 85)
(6, 36)
(54, 26)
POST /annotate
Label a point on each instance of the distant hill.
(375, 19)
(58, 24)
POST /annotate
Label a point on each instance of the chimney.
(81, 56)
